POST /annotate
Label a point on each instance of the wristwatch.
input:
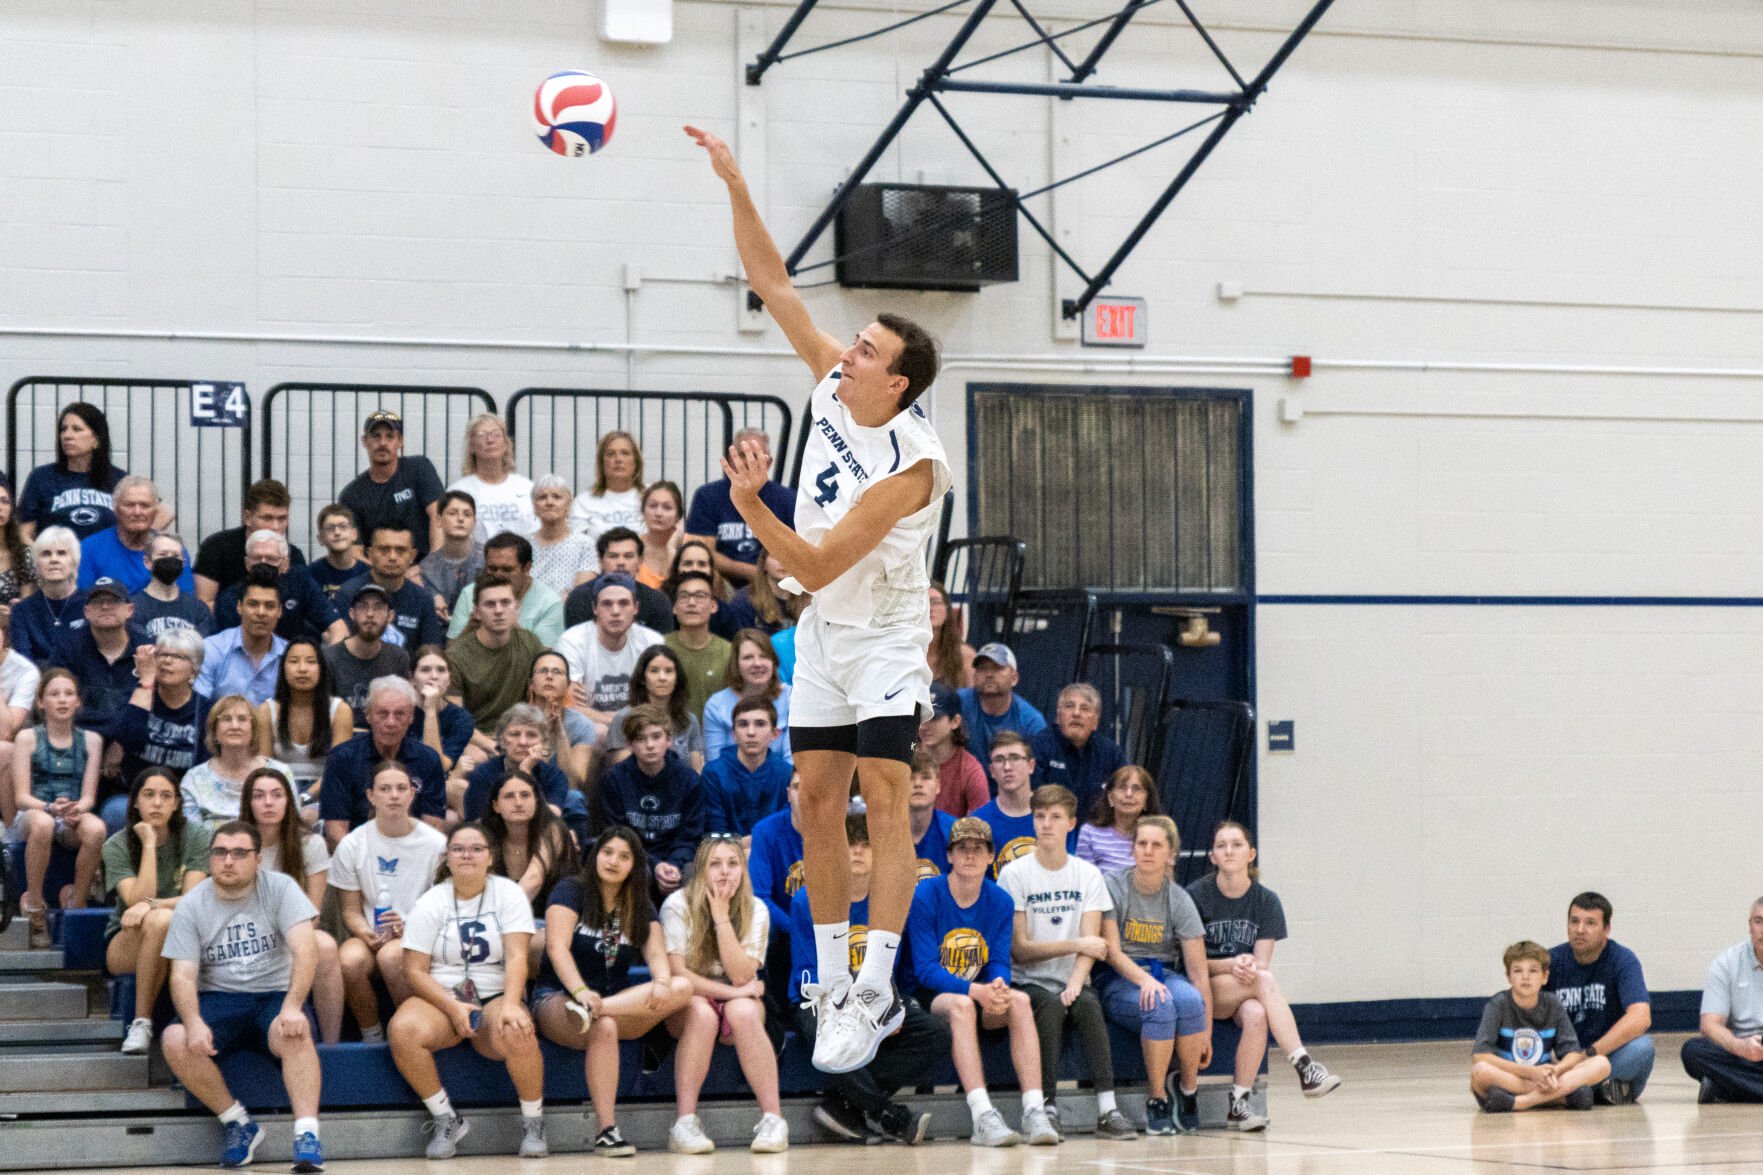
(1591, 1050)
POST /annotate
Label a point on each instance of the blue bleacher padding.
(82, 938)
(60, 872)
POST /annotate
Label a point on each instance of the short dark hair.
(679, 581)
(754, 705)
(484, 582)
(239, 828)
(919, 356)
(379, 528)
(857, 827)
(618, 534)
(507, 540)
(451, 496)
(336, 508)
(267, 492)
(263, 576)
(1592, 900)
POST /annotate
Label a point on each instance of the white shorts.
(846, 675)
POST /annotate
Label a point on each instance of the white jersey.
(842, 462)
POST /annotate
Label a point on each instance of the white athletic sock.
(305, 1126)
(532, 1109)
(235, 1114)
(1104, 1101)
(1298, 1058)
(1032, 1099)
(979, 1101)
(832, 950)
(1189, 1092)
(374, 1035)
(440, 1105)
(1238, 1091)
(882, 949)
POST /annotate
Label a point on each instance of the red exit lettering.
(1115, 322)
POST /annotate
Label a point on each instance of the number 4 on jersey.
(828, 483)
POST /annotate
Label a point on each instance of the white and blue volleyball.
(575, 112)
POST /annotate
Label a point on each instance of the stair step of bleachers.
(28, 1000)
(92, 1102)
(41, 1072)
(14, 962)
(16, 937)
(92, 1030)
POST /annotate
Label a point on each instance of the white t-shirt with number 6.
(463, 936)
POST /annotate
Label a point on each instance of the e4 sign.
(1116, 322)
(219, 405)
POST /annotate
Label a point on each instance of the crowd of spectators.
(501, 735)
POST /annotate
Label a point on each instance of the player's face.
(925, 786)
(391, 794)
(864, 379)
(1231, 853)
(970, 859)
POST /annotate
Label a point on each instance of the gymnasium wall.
(1508, 232)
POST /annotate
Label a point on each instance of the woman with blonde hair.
(214, 789)
(616, 497)
(504, 498)
(717, 934)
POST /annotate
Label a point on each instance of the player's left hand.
(748, 468)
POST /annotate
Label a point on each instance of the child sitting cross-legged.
(1526, 1052)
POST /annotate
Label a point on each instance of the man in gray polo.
(1727, 1058)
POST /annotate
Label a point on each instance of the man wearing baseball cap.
(394, 490)
(990, 704)
(101, 654)
(961, 927)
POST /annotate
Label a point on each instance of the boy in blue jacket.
(657, 795)
(748, 781)
(860, 1104)
(960, 929)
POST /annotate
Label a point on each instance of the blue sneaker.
(1159, 1118)
(1187, 1112)
(308, 1154)
(241, 1143)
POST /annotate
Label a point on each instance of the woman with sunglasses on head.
(1106, 839)
(717, 934)
(465, 957)
(271, 806)
(571, 733)
(304, 721)
(597, 924)
(55, 789)
(659, 679)
(156, 859)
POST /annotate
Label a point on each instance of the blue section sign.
(1282, 735)
(222, 404)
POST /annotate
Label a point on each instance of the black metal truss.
(939, 78)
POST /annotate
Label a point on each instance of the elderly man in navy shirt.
(1071, 753)
(1604, 993)
(348, 769)
(102, 654)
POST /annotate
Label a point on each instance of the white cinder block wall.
(1489, 183)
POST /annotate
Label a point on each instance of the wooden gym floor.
(1403, 1110)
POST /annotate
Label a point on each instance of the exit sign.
(1116, 322)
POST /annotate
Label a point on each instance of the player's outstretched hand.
(721, 158)
(747, 467)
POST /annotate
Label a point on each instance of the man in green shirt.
(492, 661)
(702, 652)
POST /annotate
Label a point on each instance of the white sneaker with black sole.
(851, 1031)
(139, 1038)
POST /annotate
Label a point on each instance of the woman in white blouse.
(616, 497)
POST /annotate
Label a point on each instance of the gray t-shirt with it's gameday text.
(239, 946)
(1153, 926)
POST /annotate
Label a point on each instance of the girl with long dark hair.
(659, 679)
(271, 806)
(529, 844)
(305, 719)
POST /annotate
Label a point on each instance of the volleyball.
(575, 112)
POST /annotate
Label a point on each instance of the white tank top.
(842, 462)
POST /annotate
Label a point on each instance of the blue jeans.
(1183, 1013)
(115, 813)
(1633, 1063)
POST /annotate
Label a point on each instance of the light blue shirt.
(1735, 989)
(227, 668)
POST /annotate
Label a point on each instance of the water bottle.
(382, 908)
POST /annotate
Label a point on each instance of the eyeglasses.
(692, 598)
(1128, 789)
(1009, 760)
(167, 655)
(466, 850)
(230, 854)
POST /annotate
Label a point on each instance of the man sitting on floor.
(1604, 993)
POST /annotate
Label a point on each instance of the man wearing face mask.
(163, 604)
(118, 552)
(307, 613)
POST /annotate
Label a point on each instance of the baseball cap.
(944, 702)
(970, 828)
(110, 587)
(383, 417)
(613, 579)
(370, 588)
(997, 652)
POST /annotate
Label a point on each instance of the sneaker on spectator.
(240, 1143)
(308, 1154)
(1708, 1094)
(989, 1130)
(1612, 1092)
(532, 1138)
(447, 1133)
(688, 1138)
(138, 1039)
(1053, 1119)
(1314, 1078)
(850, 1032)
(839, 1117)
(610, 1143)
(1579, 1099)
(1038, 1128)
(1187, 1112)
(1159, 1118)
(900, 1123)
(771, 1136)
(1113, 1125)
(1497, 1101)
(1242, 1115)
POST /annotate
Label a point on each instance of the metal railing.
(201, 472)
(1134, 682)
(983, 576)
(681, 435)
(312, 438)
(1201, 762)
(1048, 633)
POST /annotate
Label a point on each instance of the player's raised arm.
(766, 271)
